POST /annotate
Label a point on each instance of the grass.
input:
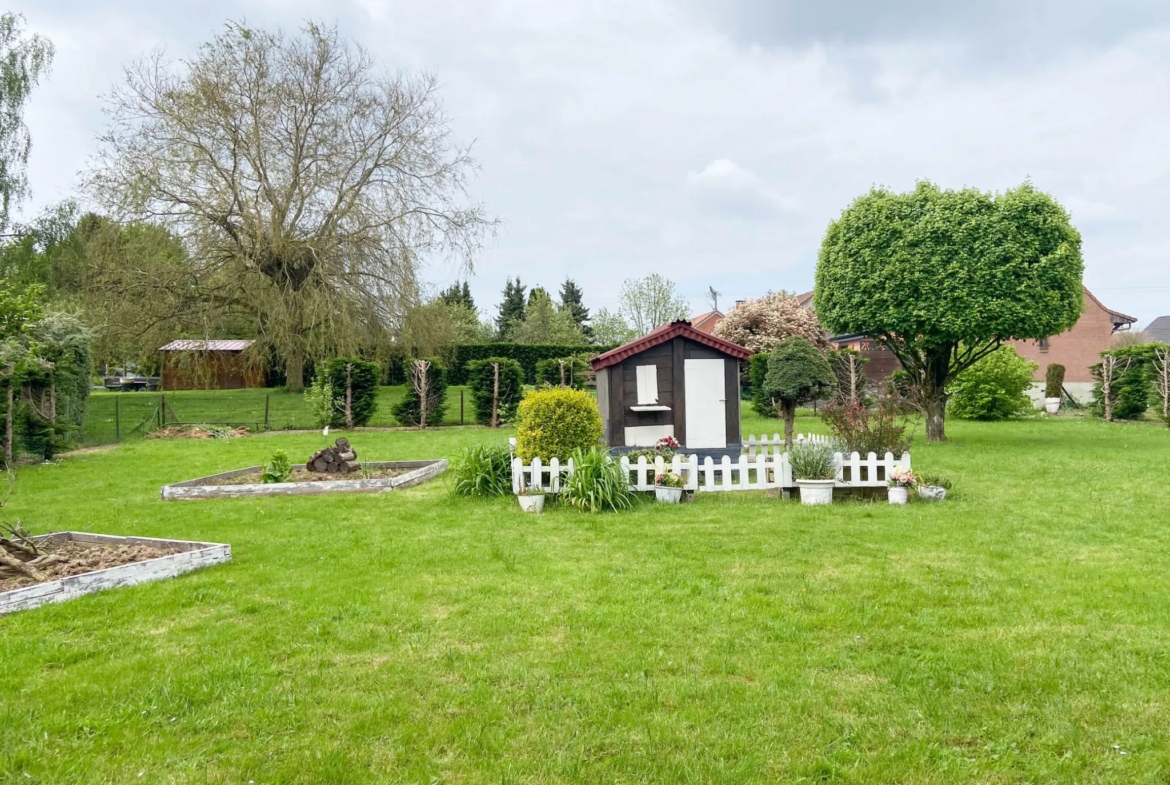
(134, 414)
(1018, 632)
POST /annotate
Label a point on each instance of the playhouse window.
(647, 385)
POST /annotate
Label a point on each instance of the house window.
(647, 385)
(1043, 344)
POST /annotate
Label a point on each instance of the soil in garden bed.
(81, 557)
(300, 475)
(195, 432)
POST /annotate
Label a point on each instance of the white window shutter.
(647, 385)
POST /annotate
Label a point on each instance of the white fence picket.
(771, 470)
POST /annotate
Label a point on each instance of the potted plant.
(814, 465)
(667, 447)
(668, 487)
(900, 482)
(1053, 387)
(933, 488)
(531, 498)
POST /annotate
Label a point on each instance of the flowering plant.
(667, 446)
(901, 478)
(669, 480)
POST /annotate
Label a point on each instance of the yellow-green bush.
(553, 423)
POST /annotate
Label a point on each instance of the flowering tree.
(762, 324)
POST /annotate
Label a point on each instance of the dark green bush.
(407, 410)
(483, 470)
(363, 380)
(554, 423)
(1054, 381)
(1133, 389)
(548, 371)
(527, 355)
(757, 372)
(481, 380)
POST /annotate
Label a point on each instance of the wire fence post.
(162, 411)
(266, 397)
(461, 407)
(117, 418)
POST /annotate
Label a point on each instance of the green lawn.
(1017, 633)
(132, 415)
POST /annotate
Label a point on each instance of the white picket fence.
(749, 473)
(774, 444)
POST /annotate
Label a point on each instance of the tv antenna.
(713, 296)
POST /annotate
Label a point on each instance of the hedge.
(364, 384)
(407, 410)
(1133, 387)
(527, 355)
(482, 383)
(549, 372)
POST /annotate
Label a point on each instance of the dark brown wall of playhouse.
(670, 361)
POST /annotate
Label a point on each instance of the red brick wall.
(1076, 349)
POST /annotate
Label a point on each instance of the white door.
(706, 407)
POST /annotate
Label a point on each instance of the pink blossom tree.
(761, 324)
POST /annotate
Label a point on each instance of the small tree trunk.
(8, 425)
(495, 423)
(349, 396)
(1162, 380)
(420, 378)
(935, 409)
(294, 366)
(788, 411)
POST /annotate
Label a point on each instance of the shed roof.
(668, 332)
(1158, 330)
(186, 345)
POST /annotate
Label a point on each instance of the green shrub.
(995, 388)
(407, 411)
(1054, 381)
(319, 396)
(863, 429)
(813, 461)
(483, 470)
(797, 373)
(278, 469)
(597, 483)
(554, 423)
(481, 380)
(757, 372)
(548, 371)
(527, 355)
(1133, 387)
(362, 378)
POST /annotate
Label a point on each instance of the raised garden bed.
(93, 562)
(386, 476)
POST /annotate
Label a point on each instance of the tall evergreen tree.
(512, 309)
(458, 294)
(573, 305)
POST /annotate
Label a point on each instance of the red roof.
(707, 322)
(668, 332)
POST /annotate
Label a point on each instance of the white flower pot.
(531, 503)
(816, 491)
(899, 494)
(1052, 405)
(931, 493)
(667, 495)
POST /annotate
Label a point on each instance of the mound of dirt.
(199, 432)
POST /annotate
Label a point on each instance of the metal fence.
(117, 417)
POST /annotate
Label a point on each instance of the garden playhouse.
(674, 381)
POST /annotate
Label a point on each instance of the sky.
(713, 141)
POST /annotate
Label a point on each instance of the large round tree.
(943, 278)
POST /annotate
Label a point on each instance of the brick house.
(1078, 348)
(707, 322)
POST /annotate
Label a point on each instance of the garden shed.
(209, 365)
(674, 381)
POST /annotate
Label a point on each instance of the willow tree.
(306, 183)
(944, 278)
(23, 61)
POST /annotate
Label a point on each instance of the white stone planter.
(931, 493)
(1052, 405)
(667, 495)
(816, 491)
(899, 494)
(531, 503)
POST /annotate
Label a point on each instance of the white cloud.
(617, 140)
